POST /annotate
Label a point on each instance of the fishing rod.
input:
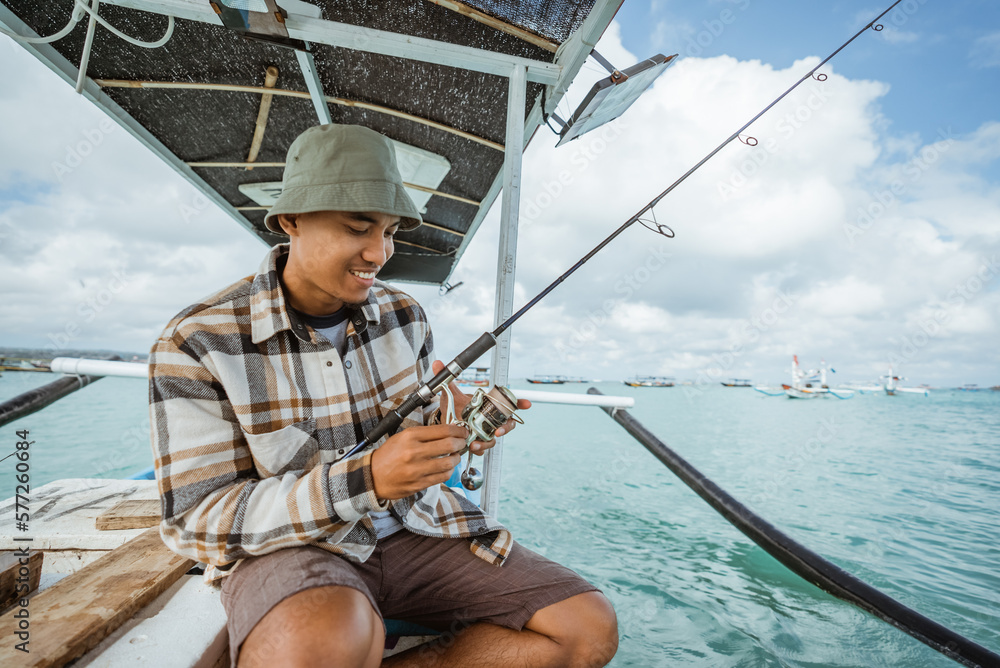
(424, 395)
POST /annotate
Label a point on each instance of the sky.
(863, 229)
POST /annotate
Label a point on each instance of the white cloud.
(899, 36)
(986, 51)
(831, 238)
(849, 296)
(782, 226)
(97, 250)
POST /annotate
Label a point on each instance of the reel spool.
(482, 416)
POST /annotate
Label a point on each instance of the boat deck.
(126, 599)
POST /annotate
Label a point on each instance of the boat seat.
(84, 613)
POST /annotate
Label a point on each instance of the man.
(256, 395)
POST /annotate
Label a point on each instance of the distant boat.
(650, 381)
(477, 377)
(812, 384)
(738, 382)
(547, 380)
(23, 364)
(970, 387)
(891, 387)
(816, 392)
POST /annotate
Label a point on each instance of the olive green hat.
(342, 168)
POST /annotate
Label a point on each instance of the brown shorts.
(434, 582)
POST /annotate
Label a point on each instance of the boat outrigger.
(475, 377)
(891, 386)
(546, 380)
(650, 381)
(812, 384)
(205, 99)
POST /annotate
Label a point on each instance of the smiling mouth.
(367, 275)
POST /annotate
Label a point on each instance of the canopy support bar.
(359, 38)
(497, 24)
(506, 253)
(260, 90)
(308, 65)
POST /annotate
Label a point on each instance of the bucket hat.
(342, 168)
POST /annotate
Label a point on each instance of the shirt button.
(348, 364)
(329, 363)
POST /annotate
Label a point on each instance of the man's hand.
(461, 400)
(420, 457)
(415, 459)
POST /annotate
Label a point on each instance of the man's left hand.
(461, 400)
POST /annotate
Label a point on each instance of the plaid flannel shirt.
(252, 413)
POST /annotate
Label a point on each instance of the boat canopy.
(433, 75)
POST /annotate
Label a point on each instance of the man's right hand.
(415, 459)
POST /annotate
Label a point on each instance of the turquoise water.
(903, 492)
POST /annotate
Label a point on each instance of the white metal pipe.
(88, 43)
(506, 254)
(540, 397)
(85, 367)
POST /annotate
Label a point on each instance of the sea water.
(903, 492)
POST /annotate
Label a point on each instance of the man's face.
(334, 257)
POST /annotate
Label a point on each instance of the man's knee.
(597, 639)
(584, 624)
(322, 626)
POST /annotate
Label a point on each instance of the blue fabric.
(455, 482)
(145, 474)
(398, 627)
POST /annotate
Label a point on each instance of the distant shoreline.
(48, 354)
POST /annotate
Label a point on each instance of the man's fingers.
(438, 431)
(444, 447)
(438, 471)
(479, 447)
(448, 463)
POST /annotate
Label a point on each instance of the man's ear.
(288, 223)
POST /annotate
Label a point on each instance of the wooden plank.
(11, 576)
(76, 613)
(130, 514)
(65, 512)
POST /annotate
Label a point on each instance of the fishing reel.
(482, 416)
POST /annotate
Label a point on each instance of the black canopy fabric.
(218, 126)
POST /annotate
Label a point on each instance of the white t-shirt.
(333, 328)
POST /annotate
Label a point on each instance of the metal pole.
(514, 143)
(308, 66)
(88, 43)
